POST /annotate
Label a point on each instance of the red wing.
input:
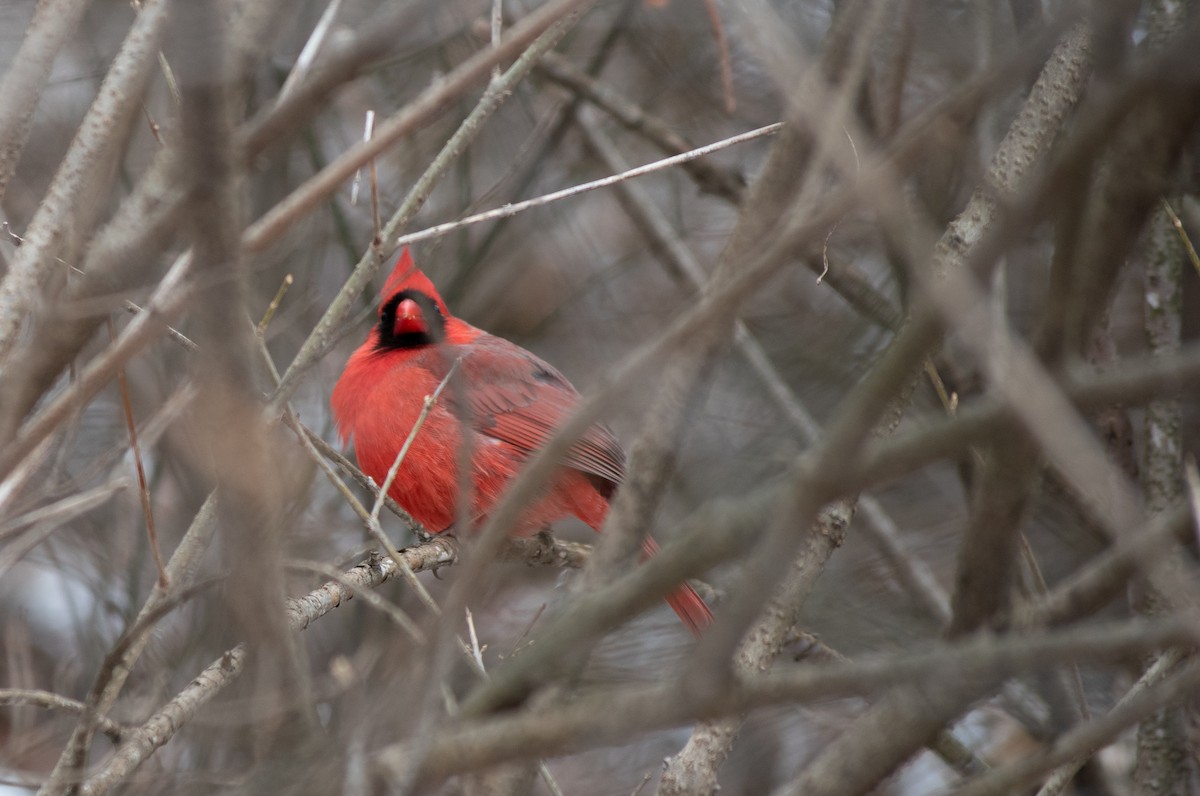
(519, 399)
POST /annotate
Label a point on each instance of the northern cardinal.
(514, 402)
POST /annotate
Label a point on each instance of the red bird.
(514, 403)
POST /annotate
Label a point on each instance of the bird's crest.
(406, 276)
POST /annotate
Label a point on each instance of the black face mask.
(435, 323)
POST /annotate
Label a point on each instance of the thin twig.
(376, 223)
(1193, 491)
(649, 168)
(161, 727)
(429, 403)
(261, 329)
(726, 68)
(1061, 777)
(373, 525)
(368, 128)
(1182, 233)
(308, 54)
(52, 701)
(708, 176)
(143, 486)
(306, 197)
(175, 334)
(168, 299)
(497, 28)
(62, 511)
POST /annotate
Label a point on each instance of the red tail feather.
(684, 601)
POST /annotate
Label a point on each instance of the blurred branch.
(876, 400)
(709, 177)
(822, 474)
(551, 134)
(1164, 761)
(617, 713)
(62, 511)
(1136, 381)
(794, 168)
(127, 248)
(723, 63)
(888, 88)
(914, 712)
(1025, 149)
(1057, 429)
(1107, 576)
(912, 573)
(433, 100)
(652, 454)
(50, 701)
(167, 302)
(1060, 433)
(1044, 412)
(712, 534)
(67, 770)
(243, 457)
(787, 187)
(142, 741)
(304, 62)
(181, 570)
(343, 61)
(904, 719)
(81, 184)
(1004, 486)
(25, 80)
(1061, 777)
(117, 260)
(161, 727)
(1154, 693)
(694, 769)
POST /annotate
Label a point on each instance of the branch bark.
(21, 89)
(66, 216)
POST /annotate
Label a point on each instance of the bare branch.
(268, 228)
(67, 214)
(49, 701)
(53, 21)
(162, 726)
(166, 303)
(610, 714)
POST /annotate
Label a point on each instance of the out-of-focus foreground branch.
(906, 379)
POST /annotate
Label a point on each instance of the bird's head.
(411, 313)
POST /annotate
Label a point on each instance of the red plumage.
(513, 402)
